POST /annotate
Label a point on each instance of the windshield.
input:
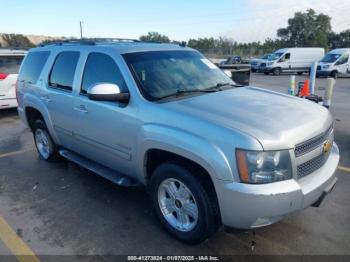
(164, 73)
(330, 58)
(267, 56)
(275, 56)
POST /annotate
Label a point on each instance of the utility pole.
(81, 29)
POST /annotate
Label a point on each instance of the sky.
(241, 20)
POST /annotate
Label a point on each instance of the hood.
(278, 121)
(256, 60)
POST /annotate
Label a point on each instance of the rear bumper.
(245, 206)
(265, 69)
(8, 103)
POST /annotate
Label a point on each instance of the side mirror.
(228, 73)
(107, 92)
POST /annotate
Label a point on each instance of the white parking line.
(346, 169)
(16, 152)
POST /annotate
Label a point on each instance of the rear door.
(9, 66)
(58, 97)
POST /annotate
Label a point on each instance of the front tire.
(334, 74)
(182, 204)
(276, 71)
(45, 146)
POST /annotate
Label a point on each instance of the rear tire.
(190, 219)
(300, 73)
(276, 71)
(44, 143)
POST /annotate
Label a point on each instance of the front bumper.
(323, 73)
(265, 69)
(247, 206)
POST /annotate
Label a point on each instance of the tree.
(17, 41)
(202, 43)
(307, 29)
(339, 40)
(155, 37)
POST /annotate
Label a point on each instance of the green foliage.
(17, 41)
(307, 29)
(339, 40)
(155, 37)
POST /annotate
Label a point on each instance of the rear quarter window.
(33, 65)
(10, 64)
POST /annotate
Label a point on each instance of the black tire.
(53, 156)
(207, 222)
(300, 73)
(334, 74)
(276, 71)
(266, 73)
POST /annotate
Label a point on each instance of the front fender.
(188, 145)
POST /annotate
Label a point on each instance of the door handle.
(45, 98)
(81, 109)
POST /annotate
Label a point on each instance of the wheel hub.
(42, 143)
(178, 205)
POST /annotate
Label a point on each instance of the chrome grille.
(312, 143)
(312, 165)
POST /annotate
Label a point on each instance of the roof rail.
(89, 41)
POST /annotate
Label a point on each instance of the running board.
(99, 169)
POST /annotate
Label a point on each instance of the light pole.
(81, 29)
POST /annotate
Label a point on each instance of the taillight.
(3, 76)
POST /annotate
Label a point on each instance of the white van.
(10, 61)
(292, 60)
(335, 63)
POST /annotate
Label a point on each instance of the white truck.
(335, 63)
(292, 60)
(10, 61)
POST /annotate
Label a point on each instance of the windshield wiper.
(181, 92)
(218, 87)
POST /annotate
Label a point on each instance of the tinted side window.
(33, 65)
(10, 64)
(63, 70)
(101, 68)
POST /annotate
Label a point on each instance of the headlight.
(260, 167)
(270, 63)
(326, 66)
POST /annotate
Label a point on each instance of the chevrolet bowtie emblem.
(327, 146)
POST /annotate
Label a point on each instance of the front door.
(105, 131)
(343, 65)
(284, 62)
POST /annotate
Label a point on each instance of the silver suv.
(209, 152)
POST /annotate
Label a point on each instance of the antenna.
(81, 29)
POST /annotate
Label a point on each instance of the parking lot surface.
(60, 208)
